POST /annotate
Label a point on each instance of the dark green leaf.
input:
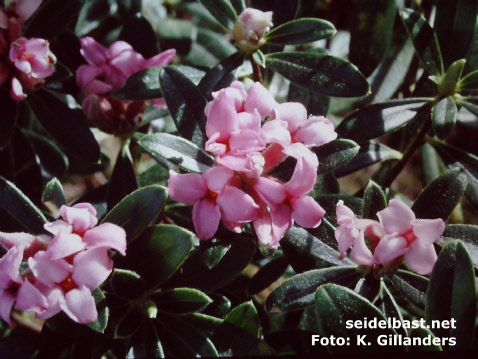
(412, 286)
(431, 164)
(371, 33)
(379, 119)
(321, 73)
(447, 85)
(9, 109)
(101, 322)
(213, 254)
(335, 305)
(135, 212)
(466, 233)
(455, 158)
(129, 7)
(181, 339)
(185, 102)
(91, 15)
(267, 275)
(315, 103)
(142, 85)
(220, 75)
(374, 200)
(441, 196)
(310, 246)
(299, 291)
(127, 283)
(470, 103)
(245, 316)
(451, 295)
(183, 300)
(300, 31)
(129, 323)
(178, 34)
(424, 41)
(222, 11)
(469, 82)
(370, 152)
(259, 58)
(19, 206)
(389, 306)
(123, 179)
(67, 126)
(368, 287)
(146, 343)
(51, 18)
(138, 32)
(178, 151)
(53, 160)
(444, 117)
(162, 249)
(219, 307)
(454, 25)
(238, 5)
(54, 192)
(335, 154)
(215, 43)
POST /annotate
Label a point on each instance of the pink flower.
(398, 234)
(108, 68)
(212, 198)
(15, 291)
(250, 28)
(408, 236)
(30, 244)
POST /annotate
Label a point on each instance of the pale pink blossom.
(250, 28)
(213, 199)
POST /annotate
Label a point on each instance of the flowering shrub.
(205, 178)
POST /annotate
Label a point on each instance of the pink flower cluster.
(24, 63)
(397, 234)
(60, 271)
(249, 134)
(107, 70)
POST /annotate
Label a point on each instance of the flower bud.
(114, 116)
(250, 28)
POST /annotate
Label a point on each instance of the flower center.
(409, 236)
(212, 195)
(68, 284)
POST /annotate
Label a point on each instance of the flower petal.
(276, 131)
(221, 117)
(360, 252)
(428, 230)
(65, 244)
(272, 193)
(316, 131)
(106, 235)
(237, 206)
(421, 258)
(49, 271)
(162, 59)
(81, 216)
(30, 298)
(307, 212)
(305, 172)
(396, 218)
(79, 305)
(217, 178)
(206, 217)
(91, 267)
(10, 266)
(6, 304)
(294, 113)
(260, 99)
(186, 188)
(281, 222)
(246, 141)
(390, 247)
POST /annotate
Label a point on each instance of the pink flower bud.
(250, 28)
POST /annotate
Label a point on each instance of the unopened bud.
(250, 28)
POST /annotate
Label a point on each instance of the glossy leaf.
(370, 152)
(334, 305)
(178, 34)
(101, 322)
(127, 283)
(219, 307)
(91, 15)
(123, 179)
(469, 82)
(178, 151)
(379, 119)
(299, 290)
(368, 287)
(222, 10)
(220, 75)
(184, 100)
(146, 343)
(321, 73)
(374, 200)
(389, 306)
(454, 276)
(181, 339)
(162, 249)
(444, 117)
(245, 316)
(467, 234)
(454, 25)
(470, 103)
(300, 31)
(54, 192)
(129, 323)
(214, 43)
(371, 33)
(335, 154)
(440, 197)
(142, 85)
(137, 210)
(267, 275)
(412, 286)
(183, 300)
(424, 41)
(455, 158)
(51, 18)
(214, 252)
(67, 126)
(19, 206)
(9, 109)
